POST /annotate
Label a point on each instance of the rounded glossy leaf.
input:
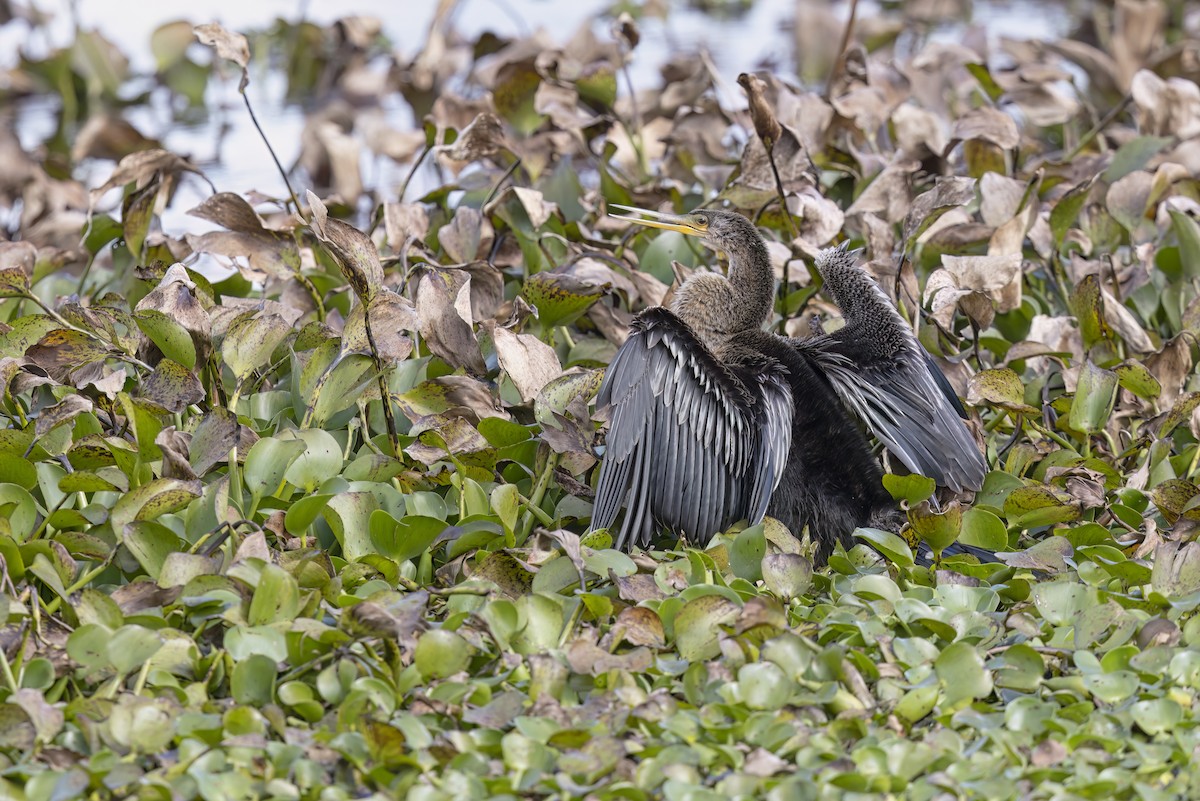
(441, 653)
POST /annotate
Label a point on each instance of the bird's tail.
(925, 556)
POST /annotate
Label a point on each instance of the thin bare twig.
(271, 150)
(839, 63)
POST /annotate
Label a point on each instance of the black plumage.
(887, 379)
(714, 420)
(694, 443)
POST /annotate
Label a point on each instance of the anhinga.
(714, 420)
(889, 380)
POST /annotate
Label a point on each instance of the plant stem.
(385, 393)
(311, 288)
(1095, 130)
(271, 150)
(6, 669)
(413, 171)
(532, 506)
(1050, 434)
(499, 182)
(840, 62)
(79, 584)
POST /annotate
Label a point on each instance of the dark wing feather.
(901, 400)
(943, 384)
(693, 444)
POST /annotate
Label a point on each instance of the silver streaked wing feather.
(692, 443)
(904, 405)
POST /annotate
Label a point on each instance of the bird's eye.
(701, 220)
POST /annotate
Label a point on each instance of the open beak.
(656, 219)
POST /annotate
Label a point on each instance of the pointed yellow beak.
(684, 224)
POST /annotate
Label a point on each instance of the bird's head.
(720, 230)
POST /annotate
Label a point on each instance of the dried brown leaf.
(443, 302)
(390, 316)
(528, 362)
(229, 45)
(353, 250)
(989, 124)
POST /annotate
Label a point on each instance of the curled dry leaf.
(460, 237)
(988, 124)
(17, 260)
(948, 193)
(268, 252)
(339, 155)
(888, 196)
(626, 28)
(919, 132)
(390, 316)
(820, 218)
(1000, 387)
(175, 298)
(174, 445)
(353, 250)
(761, 114)
(1166, 107)
(440, 436)
(109, 136)
(229, 45)
(528, 362)
(533, 202)
(404, 221)
(172, 386)
(443, 303)
(384, 140)
(482, 139)
(558, 396)
(143, 167)
(62, 412)
(985, 277)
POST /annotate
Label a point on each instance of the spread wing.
(693, 444)
(907, 403)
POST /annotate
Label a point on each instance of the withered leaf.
(63, 350)
(268, 252)
(215, 438)
(17, 260)
(229, 45)
(142, 167)
(174, 446)
(528, 362)
(172, 386)
(64, 411)
(251, 339)
(390, 316)
(483, 138)
(761, 114)
(1000, 387)
(353, 250)
(444, 318)
(441, 435)
(175, 297)
(461, 236)
(989, 124)
(405, 220)
(587, 658)
(638, 625)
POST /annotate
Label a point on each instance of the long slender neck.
(752, 280)
(862, 302)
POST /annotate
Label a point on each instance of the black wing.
(692, 443)
(903, 402)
